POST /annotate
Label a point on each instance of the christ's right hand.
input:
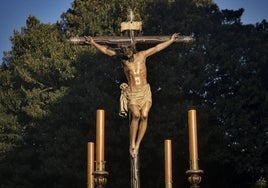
(89, 40)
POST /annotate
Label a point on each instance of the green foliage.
(50, 91)
(97, 17)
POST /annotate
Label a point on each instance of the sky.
(14, 13)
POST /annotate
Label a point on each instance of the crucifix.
(136, 97)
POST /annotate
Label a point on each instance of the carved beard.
(129, 59)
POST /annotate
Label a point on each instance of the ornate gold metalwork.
(100, 175)
(194, 177)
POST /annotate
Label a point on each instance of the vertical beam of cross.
(130, 26)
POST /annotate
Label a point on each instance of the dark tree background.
(50, 91)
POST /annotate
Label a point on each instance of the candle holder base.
(194, 177)
(100, 178)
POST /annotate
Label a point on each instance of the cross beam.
(123, 40)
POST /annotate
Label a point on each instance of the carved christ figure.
(137, 91)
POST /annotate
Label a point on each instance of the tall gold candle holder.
(100, 175)
(194, 172)
(168, 163)
(90, 166)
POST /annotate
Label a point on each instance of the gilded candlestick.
(194, 172)
(100, 137)
(193, 143)
(100, 175)
(168, 163)
(90, 167)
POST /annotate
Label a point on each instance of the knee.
(144, 116)
(136, 116)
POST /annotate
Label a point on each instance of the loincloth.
(137, 97)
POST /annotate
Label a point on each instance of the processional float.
(96, 173)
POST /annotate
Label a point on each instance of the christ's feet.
(133, 151)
